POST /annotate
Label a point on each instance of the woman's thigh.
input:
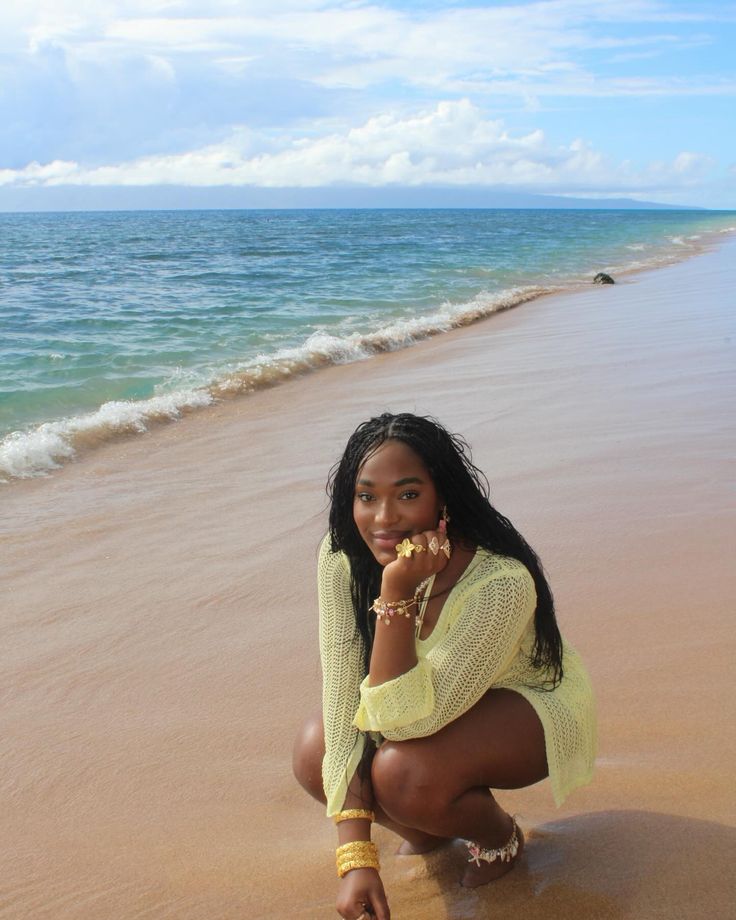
(307, 755)
(498, 743)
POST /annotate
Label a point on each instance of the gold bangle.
(355, 846)
(351, 814)
(343, 869)
(356, 854)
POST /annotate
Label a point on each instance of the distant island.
(172, 197)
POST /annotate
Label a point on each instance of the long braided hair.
(473, 519)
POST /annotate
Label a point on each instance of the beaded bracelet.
(384, 610)
(352, 813)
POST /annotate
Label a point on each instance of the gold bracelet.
(354, 846)
(352, 813)
(344, 868)
(356, 854)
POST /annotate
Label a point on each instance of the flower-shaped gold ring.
(406, 548)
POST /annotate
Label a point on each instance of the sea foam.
(25, 454)
(248, 304)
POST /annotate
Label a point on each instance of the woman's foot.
(420, 843)
(486, 872)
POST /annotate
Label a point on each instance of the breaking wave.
(25, 454)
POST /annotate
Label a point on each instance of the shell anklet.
(505, 853)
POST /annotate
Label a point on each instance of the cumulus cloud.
(453, 144)
(140, 92)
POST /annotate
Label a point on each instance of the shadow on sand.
(601, 866)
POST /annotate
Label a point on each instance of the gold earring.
(444, 516)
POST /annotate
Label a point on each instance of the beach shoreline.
(160, 623)
(47, 447)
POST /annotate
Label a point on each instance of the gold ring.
(406, 548)
(434, 546)
(446, 548)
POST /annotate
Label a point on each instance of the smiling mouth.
(390, 538)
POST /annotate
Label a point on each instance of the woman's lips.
(386, 539)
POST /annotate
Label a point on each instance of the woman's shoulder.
(488, 564)
(332, 563)
(495, 576)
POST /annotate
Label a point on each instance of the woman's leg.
(307, 756)
(439, 784)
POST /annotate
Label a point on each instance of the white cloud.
(454, 144)
(692, 164)
(528, 48)
(149, 91)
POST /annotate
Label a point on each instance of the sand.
(158, 627)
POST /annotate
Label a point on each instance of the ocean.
(110, 322)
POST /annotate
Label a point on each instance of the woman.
(444, 672)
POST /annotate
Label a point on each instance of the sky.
(632, 98)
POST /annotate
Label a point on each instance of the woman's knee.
(308, 754)
(405, 784)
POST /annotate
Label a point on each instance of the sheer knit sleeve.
(341, 651)
(480, 638)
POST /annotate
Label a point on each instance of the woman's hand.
(401, 577)
(361, 892)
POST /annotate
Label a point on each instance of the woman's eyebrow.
(400, 482)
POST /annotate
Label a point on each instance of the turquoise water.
(109, 320)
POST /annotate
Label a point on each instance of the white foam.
(322, 348)
(45, 448)
(24, 454)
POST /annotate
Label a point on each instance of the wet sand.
(158, 629)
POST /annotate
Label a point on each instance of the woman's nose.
(386, 513)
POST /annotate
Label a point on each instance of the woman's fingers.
(415, 561)
(425, 553)
(361, 894)
(411, 546)
(438, 547)
(379, 905)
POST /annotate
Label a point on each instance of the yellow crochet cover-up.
(482, 639)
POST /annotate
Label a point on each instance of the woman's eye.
(364, 496)
(410, 494)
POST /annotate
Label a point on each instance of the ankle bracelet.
(505, 853)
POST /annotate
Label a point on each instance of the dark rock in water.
(603, 278)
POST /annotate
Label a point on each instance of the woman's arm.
(484, 636)
(394, 647)
(360, 888)
(341, 652)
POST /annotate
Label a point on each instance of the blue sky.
(601, 99)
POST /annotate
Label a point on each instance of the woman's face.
(394, 498)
